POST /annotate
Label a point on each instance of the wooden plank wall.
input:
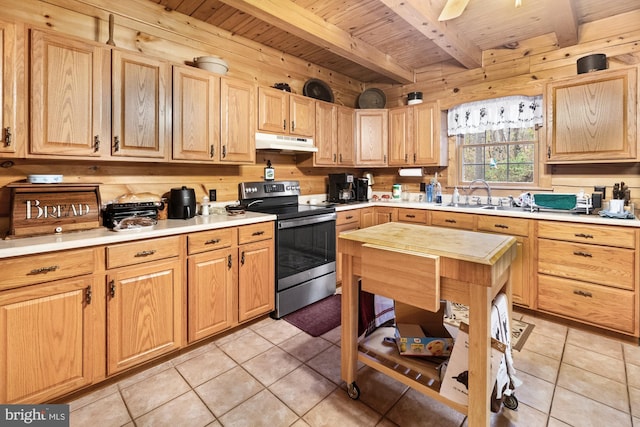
(144, 26)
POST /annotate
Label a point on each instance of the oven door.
(305, 249)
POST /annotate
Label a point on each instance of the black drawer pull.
(584, 254)
(586, 236)
(583, 293)
(212, 242)
(44, 270)
(145, 253)
(501, 226)
(257, 233)
(349, 217)
(410, 216)
(451, 221)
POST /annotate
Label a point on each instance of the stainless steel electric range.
(305, 243)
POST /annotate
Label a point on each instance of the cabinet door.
(141, 101)
(237, 121)
(371, 137)
(593, 117)
(256, 279)
(273, 110)
(366, 217)
(70, 96)
(11, 60)
(383, 215)
(346, 136)
(46, 336)
(302, 112)
(326, 139)
(144, 313)
(400, 146)
(426, 135)
(196, 114)
(210, 290)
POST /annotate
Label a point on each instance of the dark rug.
(318, 318)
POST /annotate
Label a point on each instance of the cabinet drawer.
(255, 232)
(591, 263)
(503, 225)
(347, 217)
(143, 251)
(210, 240)
(28, 270)
(594, 234)
(417, 216)
(598, 305)
(452, 219)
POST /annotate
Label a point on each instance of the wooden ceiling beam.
(565, 21)
(290, 17)
(422, 16)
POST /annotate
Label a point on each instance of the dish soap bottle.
(269, 172)
(456, 197)
(438, 191)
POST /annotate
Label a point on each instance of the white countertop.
(519, 213)
(102, 235)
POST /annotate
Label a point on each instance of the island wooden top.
(476, 247)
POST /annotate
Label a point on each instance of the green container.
(555, 201)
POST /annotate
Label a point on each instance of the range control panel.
(263, 189)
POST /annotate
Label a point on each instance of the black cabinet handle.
(450, 221)
(501, 226)
(257, 233)
(212, 241)
(349, 217)
(410, 216)
(145, 253)
(293, 125)
(87, 294)
(586, 236)
(242, 258)
(44, 270)
(112, 288)
(284, 124)
(229, 262)
(224, 151)
(96, 143)
(584, 254)
(583, 293)
(7, 137)
(212, 150)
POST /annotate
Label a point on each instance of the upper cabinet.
(414, 136)
(70, 96)
(196, 115)
(285, 113)
(12, 131)
(141, 95)
(372, 137)
(334, 135)
(237, 121)
(593, 117)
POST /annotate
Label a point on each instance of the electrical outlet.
(601, 189)
(212, 195)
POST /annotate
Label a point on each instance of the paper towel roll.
(410, 172)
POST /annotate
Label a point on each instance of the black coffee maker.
(362, 187)
(342, 188)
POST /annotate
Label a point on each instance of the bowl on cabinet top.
(212, 63)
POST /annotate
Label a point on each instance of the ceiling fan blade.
(453, 9)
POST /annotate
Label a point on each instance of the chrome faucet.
(486, 185)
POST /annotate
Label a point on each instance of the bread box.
(38, 209)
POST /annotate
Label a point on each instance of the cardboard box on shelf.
(421, 332)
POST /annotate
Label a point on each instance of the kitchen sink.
(487, 207)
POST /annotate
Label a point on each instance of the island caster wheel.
(510, 402)
(353, 390)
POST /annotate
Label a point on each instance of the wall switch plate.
(212, 195)
(601, 189)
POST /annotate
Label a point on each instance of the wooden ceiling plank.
(424, 18)
(565, 21)
(298, 21)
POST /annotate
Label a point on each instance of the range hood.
(285, 143)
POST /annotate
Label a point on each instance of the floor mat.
(318, 318)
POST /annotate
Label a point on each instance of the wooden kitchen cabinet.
(70, 99)
(48, 336)
(334, 136)
(367, 217)
(285, 113)
(144, 301)
(414, 136)
(593, 117)
(12, 116)
(141, 93)
(345, 221)
(372, 135)
(588, 273)
(237, 121)
(383, 214)
(522, 289)
(256, 270)
(210, 283)
(400, 137)
(458, 220)
(196, 115)
(414, 216)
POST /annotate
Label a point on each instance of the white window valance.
(495, 114)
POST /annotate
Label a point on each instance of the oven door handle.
(307, 220)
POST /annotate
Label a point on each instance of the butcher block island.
(419, 265)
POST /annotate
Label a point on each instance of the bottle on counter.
(205, 206)
(429, 188)
(455, 199)
(438, 191)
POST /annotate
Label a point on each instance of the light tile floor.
(273, 374)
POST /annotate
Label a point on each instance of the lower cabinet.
(383, 214)
(345, 221)
(48, 339)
